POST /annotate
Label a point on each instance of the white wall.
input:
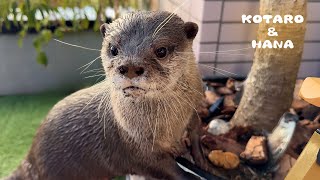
(211, 15)
(21, 74)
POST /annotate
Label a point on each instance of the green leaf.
(96, 26)
(31, 18)
(85, 24)
(22, 7)
(20, 42)
(58, 33)
(37, 44)
(7, 24)
(47, 35)
(28, 6)
(14, 6)
(38, 26)
(42, 58)
(45, 22)
(22, 33)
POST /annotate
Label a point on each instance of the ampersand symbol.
(272, 32)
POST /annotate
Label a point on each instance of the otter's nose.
(131, 71)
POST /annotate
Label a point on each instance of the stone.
(226, 160)
(222, 143)
(231, 84)
(218, 126)
(228, 101)
(211, 97)
(224, 91)
(256, 150)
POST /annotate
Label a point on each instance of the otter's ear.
(103, 29)
(191, 29)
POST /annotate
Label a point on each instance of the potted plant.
(32, 24)
(52, 18)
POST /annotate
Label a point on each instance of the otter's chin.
(133, 91)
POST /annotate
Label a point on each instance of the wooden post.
(269, 87)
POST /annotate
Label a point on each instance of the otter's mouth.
(133, 91)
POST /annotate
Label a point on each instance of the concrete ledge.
(21, 74)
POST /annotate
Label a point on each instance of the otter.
(134, 120)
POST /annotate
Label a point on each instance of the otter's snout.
(131, 71)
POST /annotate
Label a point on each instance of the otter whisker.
(213, 53)
(165, 20)
(231, 50)
(78, 46)
(236, 49)
(191, 88)
(101, 103)
(218, 71)
(100, 78)
(180, 105)
(88, 64)
(97, 75)
(94, 70)
(176, 95)
(180, 100)
(145, 107)
(106, 107)
(194, 90)
(163, 109)
(164, 23)
(104, 118)
(155, 126)
(152, 129)
(175, 108)
(166, 117)
(188, 102)
(195, 110)
(168, 19)
(91, 98)
(186, 11)
(97, 72)
(176, 117)
(215, 68)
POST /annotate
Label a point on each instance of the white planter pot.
(21, 74)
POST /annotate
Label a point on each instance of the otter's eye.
(161, 52)
(113, 50)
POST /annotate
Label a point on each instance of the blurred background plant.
(52, 18)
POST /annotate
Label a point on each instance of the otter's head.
(146, 53)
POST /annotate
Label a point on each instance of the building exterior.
(221, 30)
